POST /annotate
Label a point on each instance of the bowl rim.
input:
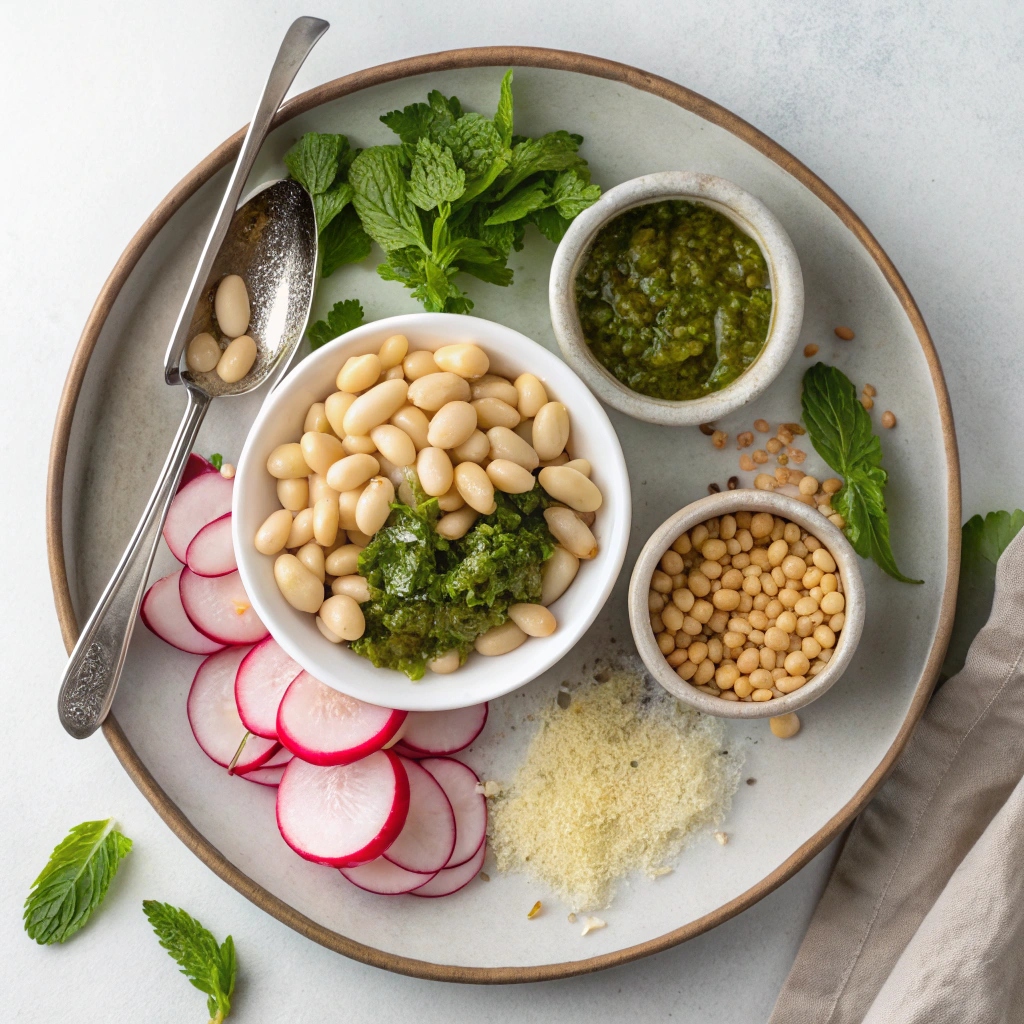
(590, 420)
(748, 213)
(744, 499)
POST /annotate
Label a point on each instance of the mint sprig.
(344, 316)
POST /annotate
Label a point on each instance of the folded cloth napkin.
(922, 921)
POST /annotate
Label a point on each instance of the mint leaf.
(74, 881)
(551, 224)
(572, 193)
(411, 123)
(313, 161)
(343, 241)
(216, 460)
(523, 201)
(344, 316)
(328, 205)
(503, 117)
(434, 178)
(381, 199)
(556, 151)
(210, 967)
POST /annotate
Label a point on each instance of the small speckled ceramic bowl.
(747, 213)
(747, 501)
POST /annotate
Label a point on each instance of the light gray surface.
(106, 110)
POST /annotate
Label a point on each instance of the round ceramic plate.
(117, 418)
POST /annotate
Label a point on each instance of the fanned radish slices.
(436, 733)
(163, 615)
(204, 498)
(211, 551)
(326, 727)
(279, 759)
(450, 880)
(266, 775)
(346, 814)
(382, 877)
(195, 466)
(459, 783)
(426, 842)
(214, 717)
(219, 607)
(262, 679)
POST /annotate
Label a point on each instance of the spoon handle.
(301, 37)
(87, 690)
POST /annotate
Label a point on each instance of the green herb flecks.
(840, 430)
(984, 540)
(431, 595)
(74, 881)
(217, 460)
(210, 967)
(344, 316)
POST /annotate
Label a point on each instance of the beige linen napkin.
(922, 921)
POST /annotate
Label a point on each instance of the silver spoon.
(271, 241)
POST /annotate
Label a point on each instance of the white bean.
(344, 561)
(272, 536)
(395, 373)
(301, 530)
(311, 555)
(286, 462)
(475, 486)
(394, 444)
(374, 505)
(358, 444)
(550, 430)
(500, 639)
(571, 532)
(493, 412)
(561, 459)
(377, 406)
(320, 451)
(453, 424)
(231, 306)
(335, 408)
(320, 488)
(293, 494)
(343, 617)
(301, 589)
(351, 472)
(451, 500)
(347, 502)
(557, 574)
(359, 373)
(202, 354)
(475, 449)
(525, 431)
(415, 423)
(510, 477)
(533, 619)
(326, 633)
(581, 466)
(393, 351)
(437, 389)
(237, 359)
(532, 395)
(354, 586)
(419, 364)
(316, 419)
(445, 664)
(359, 539)
(566, 485)
(465, 359)
(490, 386)
(458, 523)
(507, 444)
(325, 521)
(434, 469)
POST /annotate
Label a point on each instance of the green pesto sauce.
(674, 299)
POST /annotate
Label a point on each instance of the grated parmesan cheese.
(620, 780)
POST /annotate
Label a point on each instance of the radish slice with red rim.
(346, 814)
(219, 607)
(214, 717)
(262, 679)
(211, 551)
(204, 498)
(326, 727)
(266, 775)
(279, 759)
(428, 838)
(163, 615)
(382, 877)
(195, 466)
(438, 733)
(459, 783)
(451, 880)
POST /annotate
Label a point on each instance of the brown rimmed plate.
(116, 418)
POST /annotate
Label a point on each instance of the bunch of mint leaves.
(453, 196)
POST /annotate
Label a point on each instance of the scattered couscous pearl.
(227, 470)
(810, 350)
(888, 420)
(844, 334)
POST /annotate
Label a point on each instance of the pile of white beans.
(231, 308)
(465, 433)
(747, 606)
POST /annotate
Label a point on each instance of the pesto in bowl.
(674, 299)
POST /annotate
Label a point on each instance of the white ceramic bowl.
(719, 505)
(280, 420)
(747, 213)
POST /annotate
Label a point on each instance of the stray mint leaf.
(216, 460)
(840, 430)
(343, 241)
(210, 967)
(344, 316)
(984, 540)
(313, 161)
(74, 881)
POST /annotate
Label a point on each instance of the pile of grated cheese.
(620, 780)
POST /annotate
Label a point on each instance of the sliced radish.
(326, 727)
(443, 732)
(219, 607)
(262, 678)
(428, 838)
(382, 877)
(211, 552)
(200, 501)
(279, 759)
(346, 814)
(163, 615)
(195, 466)
(267, 775)
(214, 717)
(450, 880)
(459, 783)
